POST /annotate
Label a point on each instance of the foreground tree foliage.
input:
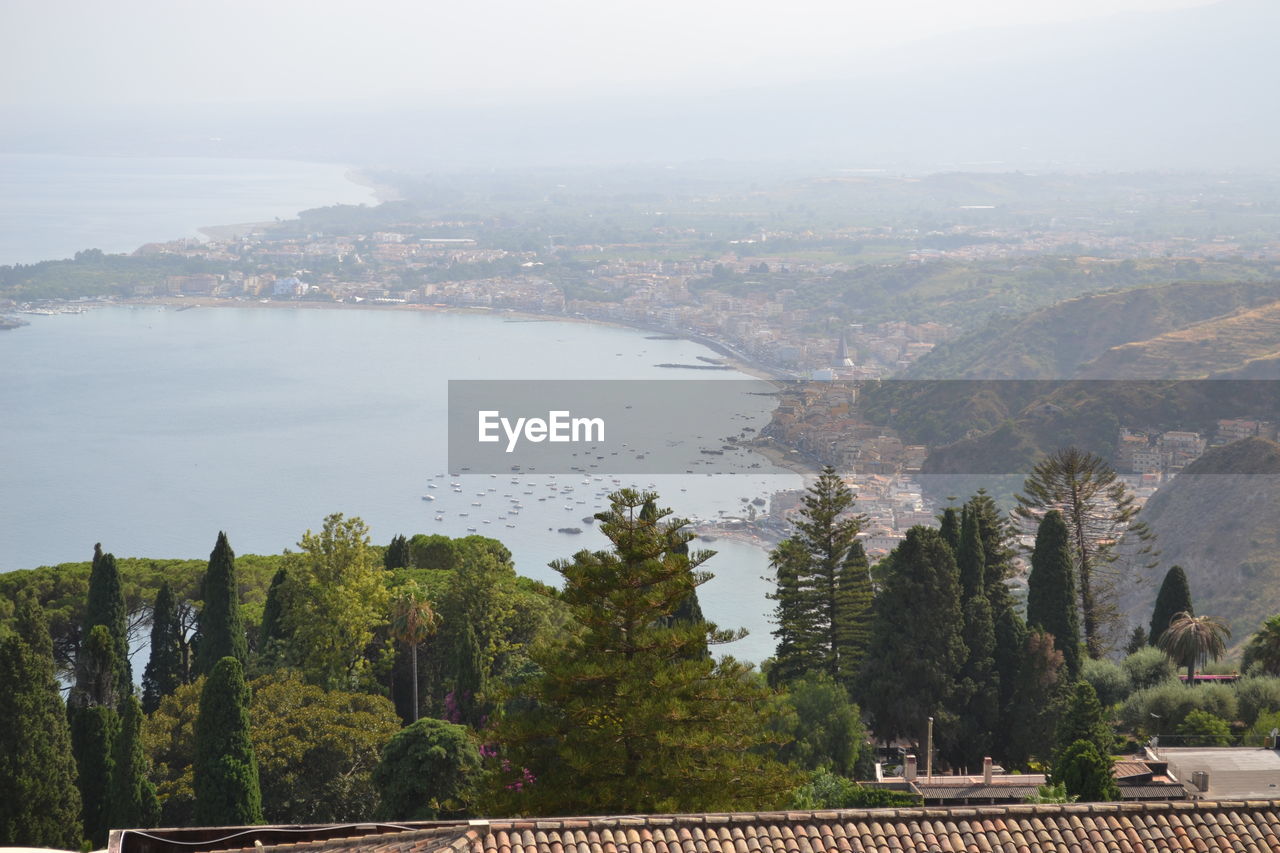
(225, 769)
(820, 728)
(315, 749)
(1263, 649)
(428, 771)
(39, 801)
(630, 717)
(917, 647)
(826, 790)
(1085, 773)
(1040, 693)
(334, 598)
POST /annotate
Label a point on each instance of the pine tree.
(39, 801)
(1138, 642)
(1051, 593)
(225, 770)
(917, 643)
(793, 618)
(1174, 598)
(106, 607)
(853, 615)
(133, 802)
(220, 630)
(1098, 511)
(93, 736)
(164, 670)
(627, 718)
(823, 546)
(398, 555)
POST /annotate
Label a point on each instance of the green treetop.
(1051, 592)
(220, 631)
(133, 802)
(106, 607)
(335, 599)
(225, 770)
(39, 800)
(629, 717)
(1173, 598)
(917, 643)
(824, 602)
(165, 669)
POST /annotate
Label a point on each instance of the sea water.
(150, 429)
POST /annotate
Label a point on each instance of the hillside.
(1058, 341)
(1218, 520)
(1197, 351)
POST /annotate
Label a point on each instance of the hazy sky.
(65, 54)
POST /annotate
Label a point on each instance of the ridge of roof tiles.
(1132, 827)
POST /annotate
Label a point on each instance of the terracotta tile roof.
(1202, 827)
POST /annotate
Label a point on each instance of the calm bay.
(151, 429)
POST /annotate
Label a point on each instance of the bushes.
(1201, 728)
(1110, 680)
(1147, 668)
(1173, 701)
(1257, 695)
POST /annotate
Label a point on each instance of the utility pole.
(928, 753)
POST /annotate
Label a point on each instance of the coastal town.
(746, 303)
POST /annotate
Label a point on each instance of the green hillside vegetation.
(1218, 521)
(1055, 342)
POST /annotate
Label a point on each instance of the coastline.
(780, 457)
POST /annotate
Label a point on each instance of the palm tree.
(1192, 640)
(1264, 647)
(412, 621)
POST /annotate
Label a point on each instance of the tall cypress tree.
(917, 643)
(220, 630)
(273, 635)
(1051, 590)
(1174, 598)
(39, 801)
(133, 801)
(950, 528)
(398, 555)
(106, 607)
(980, 682)
(225, 770)
(94, 725)
(164, 670)
(93, 736)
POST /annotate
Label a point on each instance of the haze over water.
(150, 430)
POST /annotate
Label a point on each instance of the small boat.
(428, 497)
